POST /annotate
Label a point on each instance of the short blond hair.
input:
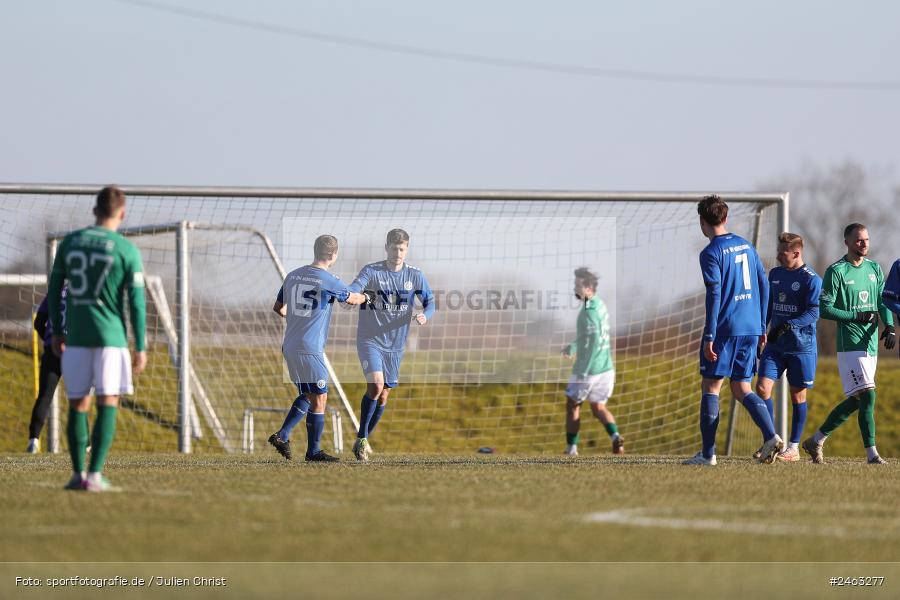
(793, 240)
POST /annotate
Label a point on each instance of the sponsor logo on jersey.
(864, 296)
(872, 277)
(795, 286)
(850, 282)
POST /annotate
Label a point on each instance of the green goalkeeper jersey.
(591, 346)
(847, 290)
(102, 267)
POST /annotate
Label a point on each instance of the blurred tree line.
(824, 200)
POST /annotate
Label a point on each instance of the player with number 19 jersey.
(737, 293)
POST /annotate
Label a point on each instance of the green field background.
(512, 418)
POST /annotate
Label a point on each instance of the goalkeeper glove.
(869, 316)
(370, 297)
(889, 337)
(779, 331)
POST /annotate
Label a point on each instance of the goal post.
(485, 372)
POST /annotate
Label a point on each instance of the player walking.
(383, 328)
(737, 294)
(101, 268)
(793, 310)
(593, 376)
(851, 295)
(305, 299)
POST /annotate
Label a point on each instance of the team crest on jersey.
(872, 277)
(795, 286)
(782, 297)
(407, 286)
(864, 296)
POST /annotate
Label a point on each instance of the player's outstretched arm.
(355, 298)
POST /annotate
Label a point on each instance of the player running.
(383, 328)
(305, 299)
(851, 295)
(101, 268)
(737, 294)
(593, 376)
(790, 346)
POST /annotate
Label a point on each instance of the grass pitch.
(451, 508)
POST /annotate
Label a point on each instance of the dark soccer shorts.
(737, 358)
(801, 368)
(373, 359)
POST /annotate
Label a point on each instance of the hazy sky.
(106, 90)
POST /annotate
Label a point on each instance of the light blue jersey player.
(737, 293)
(383, 327)
(790, 345)
(306, 299)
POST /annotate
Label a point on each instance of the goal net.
(485, 371)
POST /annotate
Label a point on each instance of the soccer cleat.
(99, 483)
(699, 459)
(321, 456)
(770, 449)
(34, 446)
(758, 453)
(76, 483)
(814, 450)
(283, 446)
(361, 449)
(789, 455)
(618, 445)
(877, 460)
(571, 450)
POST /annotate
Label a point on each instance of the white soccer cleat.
(571, 450)
(789, 455)
(34, 446)
(361, 449)
(770, 449)
(699, 459)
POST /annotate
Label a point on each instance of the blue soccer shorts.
(308, 372)
(801, 368)
(737, 358)
(374, 359)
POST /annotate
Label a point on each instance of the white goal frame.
(179, 331)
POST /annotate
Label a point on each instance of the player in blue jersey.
(737, 294)
(790, 346)
(305, 299)
(891, 297)
(383, 327)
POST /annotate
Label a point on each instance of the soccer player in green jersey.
(851, 295)
(101, 268)
(593, 375)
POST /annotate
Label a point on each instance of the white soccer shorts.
(857, 371)
(107, 370)
(596, 389)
